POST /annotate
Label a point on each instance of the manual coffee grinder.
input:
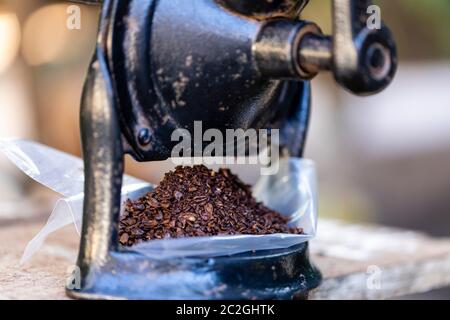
(160, 65)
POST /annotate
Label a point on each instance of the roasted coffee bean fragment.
(197, 201)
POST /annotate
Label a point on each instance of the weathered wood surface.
(358, 262)
(372, 262)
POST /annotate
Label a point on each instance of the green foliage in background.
(422, 27)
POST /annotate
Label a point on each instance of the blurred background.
(383, 159)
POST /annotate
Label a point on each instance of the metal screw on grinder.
(144, 136)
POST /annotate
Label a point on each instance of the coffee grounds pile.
(197, 201)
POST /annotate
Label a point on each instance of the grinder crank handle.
(363, 59)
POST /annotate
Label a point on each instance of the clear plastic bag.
(292, 192)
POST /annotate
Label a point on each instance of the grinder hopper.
(160, 65)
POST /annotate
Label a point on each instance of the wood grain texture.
(373, 262)
(358, 262)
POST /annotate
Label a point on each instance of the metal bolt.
(144, 136)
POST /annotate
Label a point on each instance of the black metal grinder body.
(160, 65)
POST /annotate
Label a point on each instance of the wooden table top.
(357, 262)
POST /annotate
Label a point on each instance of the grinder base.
(269, 274)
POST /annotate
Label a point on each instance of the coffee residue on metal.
(196, 201)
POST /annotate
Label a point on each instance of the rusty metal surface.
(107, 112)
(160, 65)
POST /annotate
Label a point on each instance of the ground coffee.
(197, 201)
